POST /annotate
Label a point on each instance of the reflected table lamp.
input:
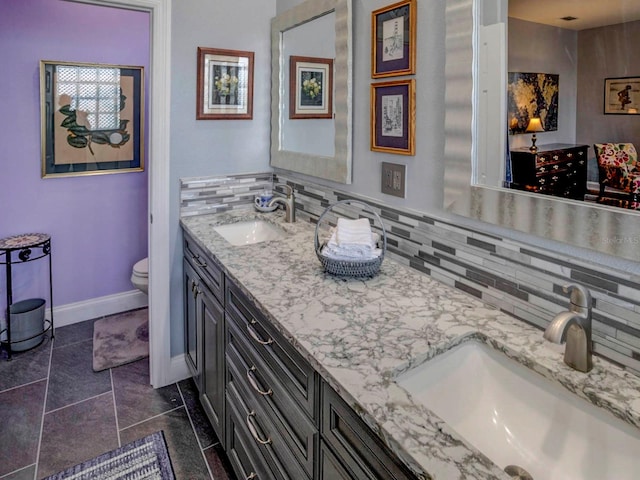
(535, 125)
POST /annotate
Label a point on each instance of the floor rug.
(120, 339)
(143, 459)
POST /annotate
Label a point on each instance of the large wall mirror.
(311, 54)
(516, 69)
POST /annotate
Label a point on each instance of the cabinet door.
(212, 397)
(192, 325)
(358, 448)
(329, 466)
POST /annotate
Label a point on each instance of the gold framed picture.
(393, 117)
(393, 40)
(92, 118)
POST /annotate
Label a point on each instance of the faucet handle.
(578, 295)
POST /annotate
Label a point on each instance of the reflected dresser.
(556, 169)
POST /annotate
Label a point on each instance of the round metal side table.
(19, 249)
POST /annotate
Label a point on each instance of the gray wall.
(208, 147)
(537, 48)
(603, 53)
(425, 170)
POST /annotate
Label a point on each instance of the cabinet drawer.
(287, 365)
(246, 460)
(260, 431)
(358, 448)
(292, 423)
(205, 266)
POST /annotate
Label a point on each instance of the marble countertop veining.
(360, 334)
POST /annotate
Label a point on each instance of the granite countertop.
(360, 334)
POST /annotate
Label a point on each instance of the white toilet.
(140, 275)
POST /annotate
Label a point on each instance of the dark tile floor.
(55, 412)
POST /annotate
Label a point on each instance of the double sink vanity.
(306, 375)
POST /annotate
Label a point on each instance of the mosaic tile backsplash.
(521, 280)
(200, 195)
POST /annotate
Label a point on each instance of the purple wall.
(97, 223)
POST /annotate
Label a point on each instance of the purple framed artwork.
(393, 40)
(393, 117)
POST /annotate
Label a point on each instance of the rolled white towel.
(348, 249)
(354, 232)
(337, 251)
(349, 255)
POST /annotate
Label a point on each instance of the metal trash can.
(27, 320)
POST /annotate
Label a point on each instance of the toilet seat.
(141, 268)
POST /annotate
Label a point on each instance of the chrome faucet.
(289, 203)
(574, 325)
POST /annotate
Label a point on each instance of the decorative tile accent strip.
(521, 280)
(202, 195)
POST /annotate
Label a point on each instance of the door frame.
(162, 372)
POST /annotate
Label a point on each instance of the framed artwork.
(225, 84)
(532, 95)
(622, 96)
(393, 40)
(393, 116)
(91, 118)
(310, 87)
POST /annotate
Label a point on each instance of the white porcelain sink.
(246, 233)
(517, 417)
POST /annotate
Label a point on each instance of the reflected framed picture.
(622, 96)
(92, 118)
(393, 117)
(310, 87)
(532, 95)
(393, 40)
(225, 84)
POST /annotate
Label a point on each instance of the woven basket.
(350, 268)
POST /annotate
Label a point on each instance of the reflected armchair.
(619, 169)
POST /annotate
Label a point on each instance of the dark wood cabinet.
(213, 378)
(357, 449)
(204, 330)
(192, 325)
(277, 387)
(557, 169)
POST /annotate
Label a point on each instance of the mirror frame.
(590, 226)
(338, 167)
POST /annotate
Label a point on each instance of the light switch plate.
(393, 179)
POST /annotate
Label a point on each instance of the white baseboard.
(96, 307)
(178, 370)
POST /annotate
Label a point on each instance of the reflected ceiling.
(588, 13)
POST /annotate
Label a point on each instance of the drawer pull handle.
(254, 382)
(251, 476)
(256, 337)
(253, 430)
(196, 259)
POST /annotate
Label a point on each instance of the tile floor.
(55, 412)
